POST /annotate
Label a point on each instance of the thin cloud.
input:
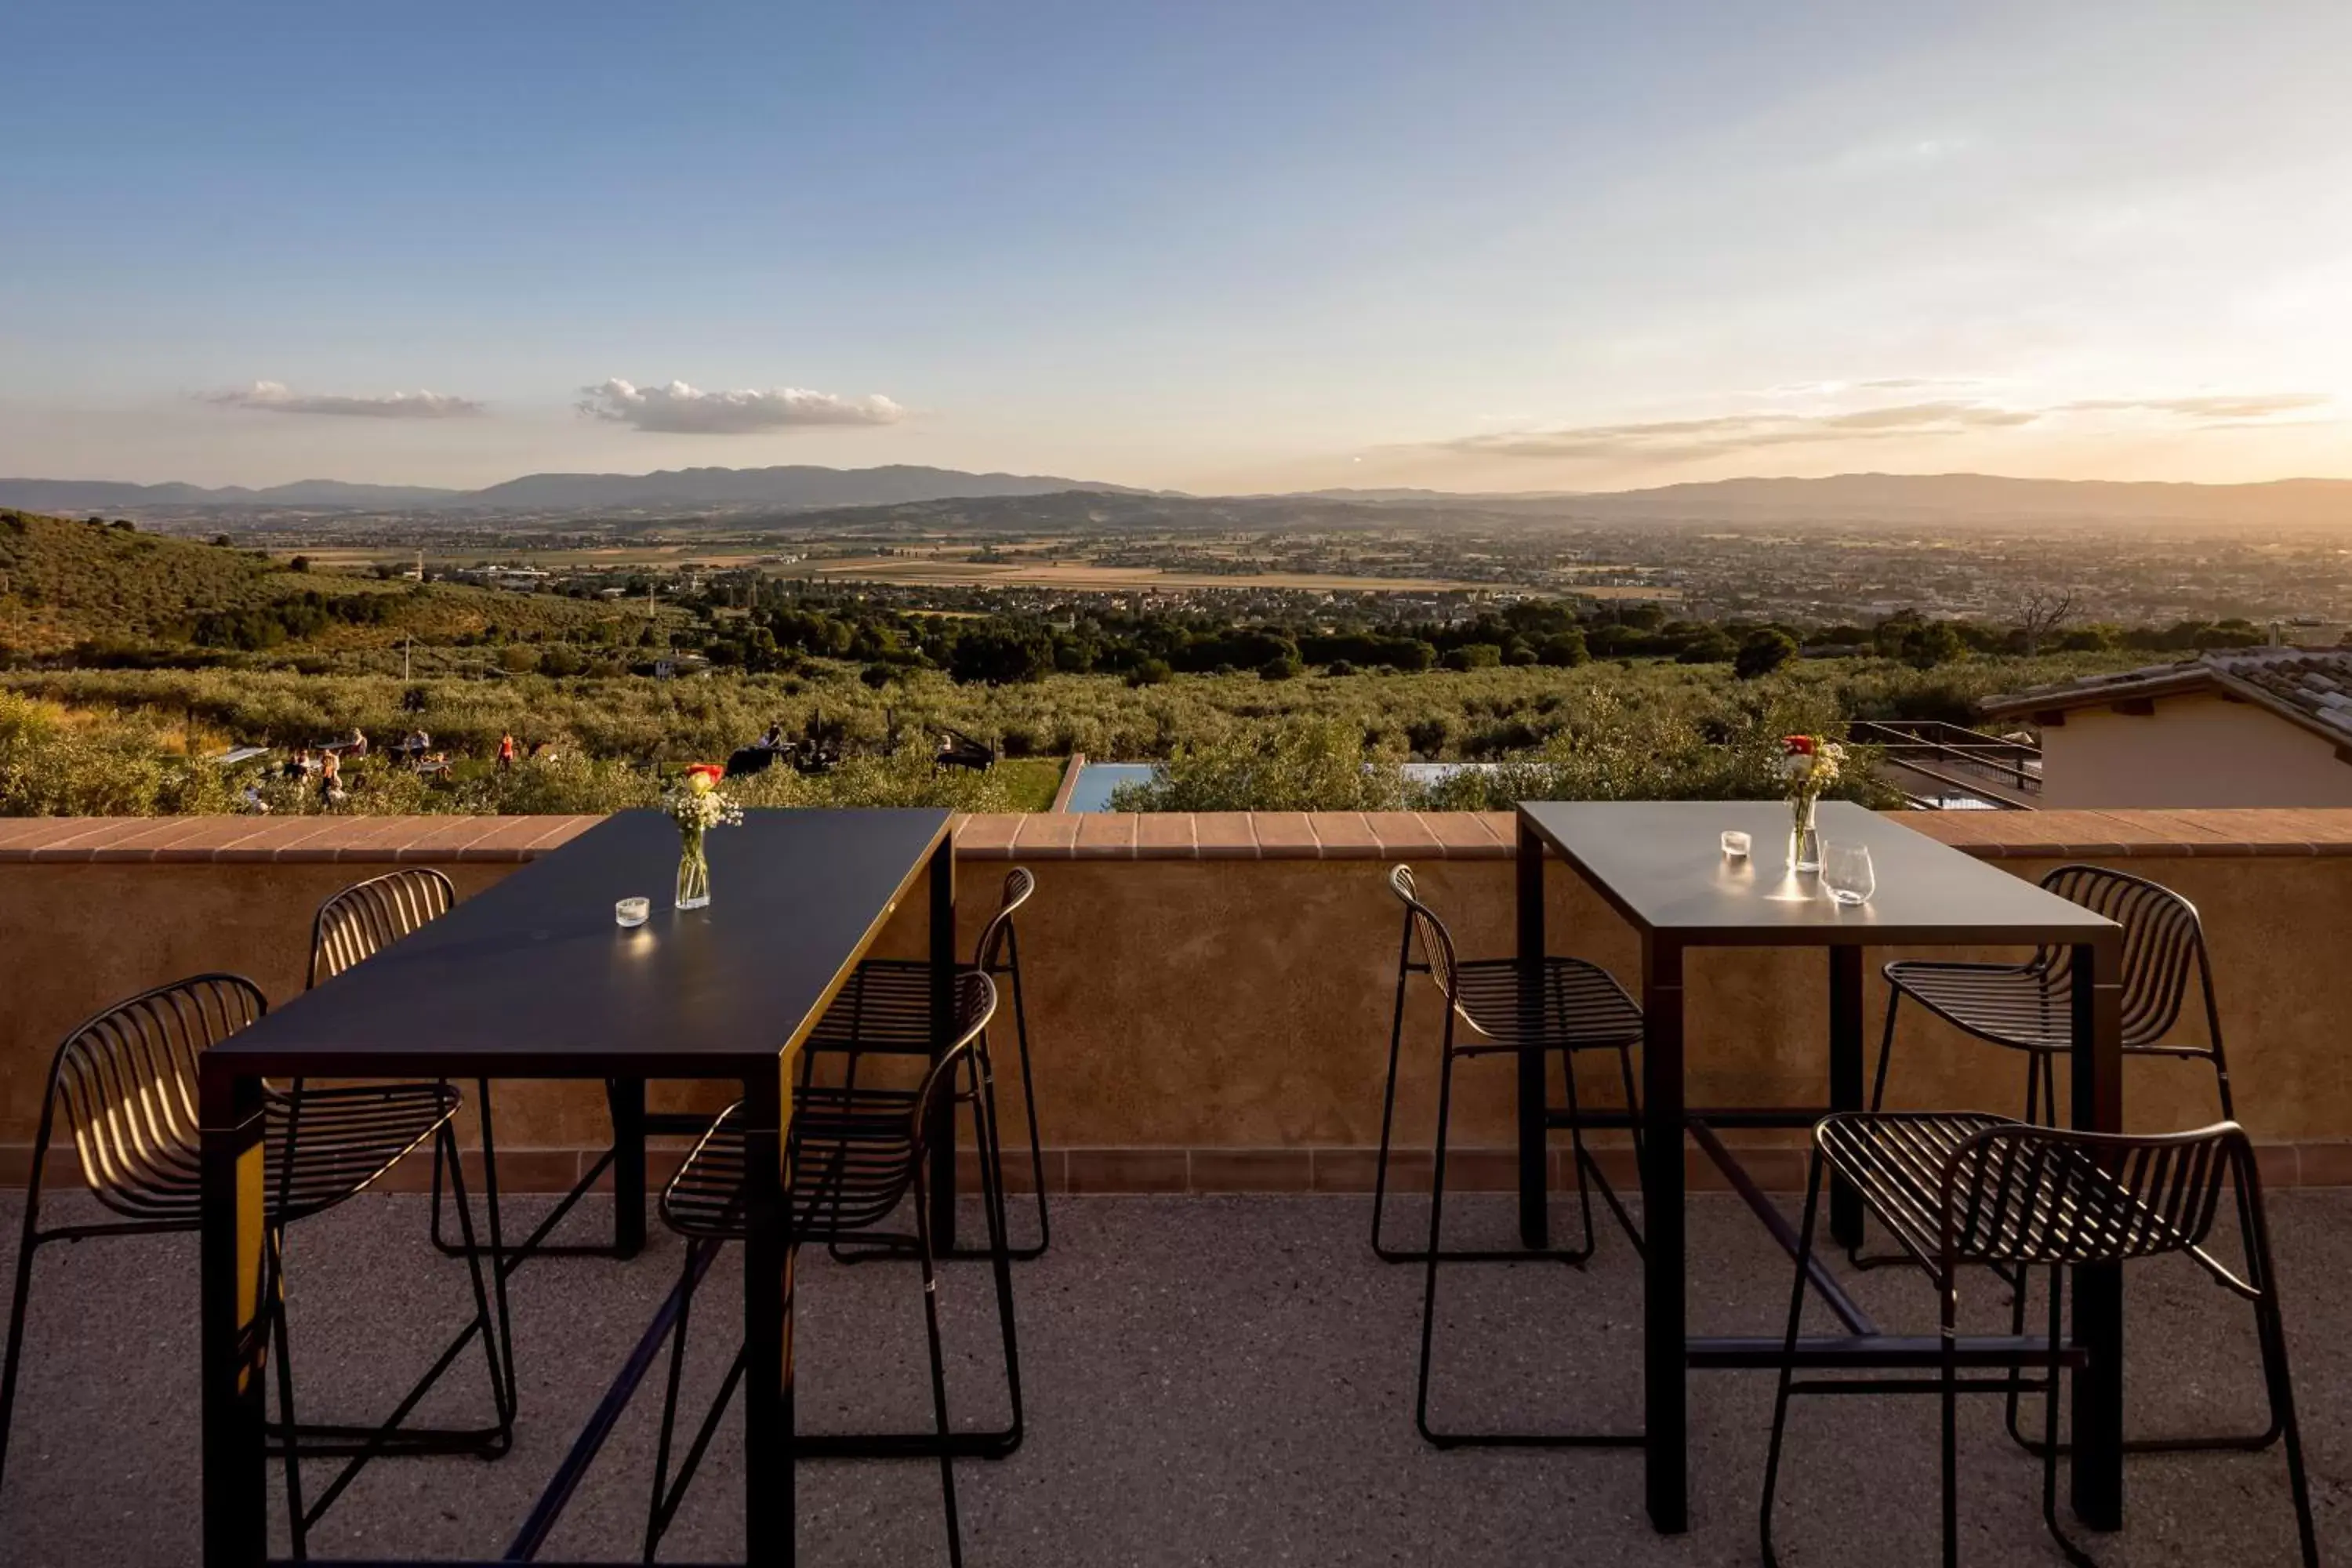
(678, 409)
(2258, 407)
(1685, 440)
(277, 397)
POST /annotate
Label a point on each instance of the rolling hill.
(64, 582)
(791, 486)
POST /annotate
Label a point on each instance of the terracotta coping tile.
(2109, 834)
(1467, 835)
(447, 838)
(1225, 836)
(1048, 835)
(1346, 835)
(123, 840)
(1402, 834)
(20, 830)
(271, 840)
(1286, 836)
(384, 844)
(79, 838)
(186, 838)
(511, 839)
(1167, 835)
(1105, 836)
(558, 831)
(987, 836)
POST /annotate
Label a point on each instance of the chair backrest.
(976, 1005)
(126, 1082)
(368, 917)
(1422, 925)
(855, 1175)
(2049, 1197)
(997, 949)
(2162, 939)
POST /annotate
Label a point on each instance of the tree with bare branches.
(2041, 612)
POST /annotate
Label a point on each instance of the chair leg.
(1002, 1253)
(1029, 1109)
(1886, 1052)
(1388, 1124)
(2050, 1444)
(1587, 1169)
(656, 1508)
(17, 1302)
(2271, 1327)
(1788, 1361)
(1949, 1290)
(1429, 1275)
(496, 1344)
(298, 1519)
(938, 1373)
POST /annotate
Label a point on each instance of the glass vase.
(1804, 837)
(693, 873)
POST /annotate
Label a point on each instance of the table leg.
(941, 1133)
(2098, 1467)
(627, 1098)
(1665, 1414)
(768, 1501)
(1534, 1136)
(1845, 1080)
(233, 1332)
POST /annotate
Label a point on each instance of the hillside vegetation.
(66, 583)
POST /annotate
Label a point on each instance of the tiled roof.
(2310, 686)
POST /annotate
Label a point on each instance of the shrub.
(1270, 767)
(1766, 650)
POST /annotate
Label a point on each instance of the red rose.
(1797, 746)
(710, 771)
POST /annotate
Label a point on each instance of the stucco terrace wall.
(1210, 995)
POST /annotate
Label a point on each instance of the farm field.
(1081, 577)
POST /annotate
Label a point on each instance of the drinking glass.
(630, 914)
(1846, 872)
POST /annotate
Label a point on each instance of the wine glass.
(1847, 873)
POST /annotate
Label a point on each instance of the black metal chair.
(1960, 1190)
(1579, 1007)
(885, 1010)
(126, 1083)
(353, 926)
(854, 1155)
(2029, 1007)
(360, 922)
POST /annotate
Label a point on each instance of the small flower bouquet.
(694, 803)
(1809, 764)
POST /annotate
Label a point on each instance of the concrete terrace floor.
(1209, 1381)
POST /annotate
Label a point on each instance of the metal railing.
(2003, 775)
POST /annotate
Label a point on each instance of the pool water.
(1096, 779)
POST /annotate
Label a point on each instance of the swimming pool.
(1096, 779)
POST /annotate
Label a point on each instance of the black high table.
(532, 979)
(1660, 865)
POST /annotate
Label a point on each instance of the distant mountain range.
(799, 485)
(1939, 499)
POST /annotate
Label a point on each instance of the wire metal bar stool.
(363, 920)
(2027, 1007)
(125, 1082)
(854, 1155)
(1960, 1190)
(1579, 1007)
(885, 1010)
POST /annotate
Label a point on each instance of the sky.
(1264, 246)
